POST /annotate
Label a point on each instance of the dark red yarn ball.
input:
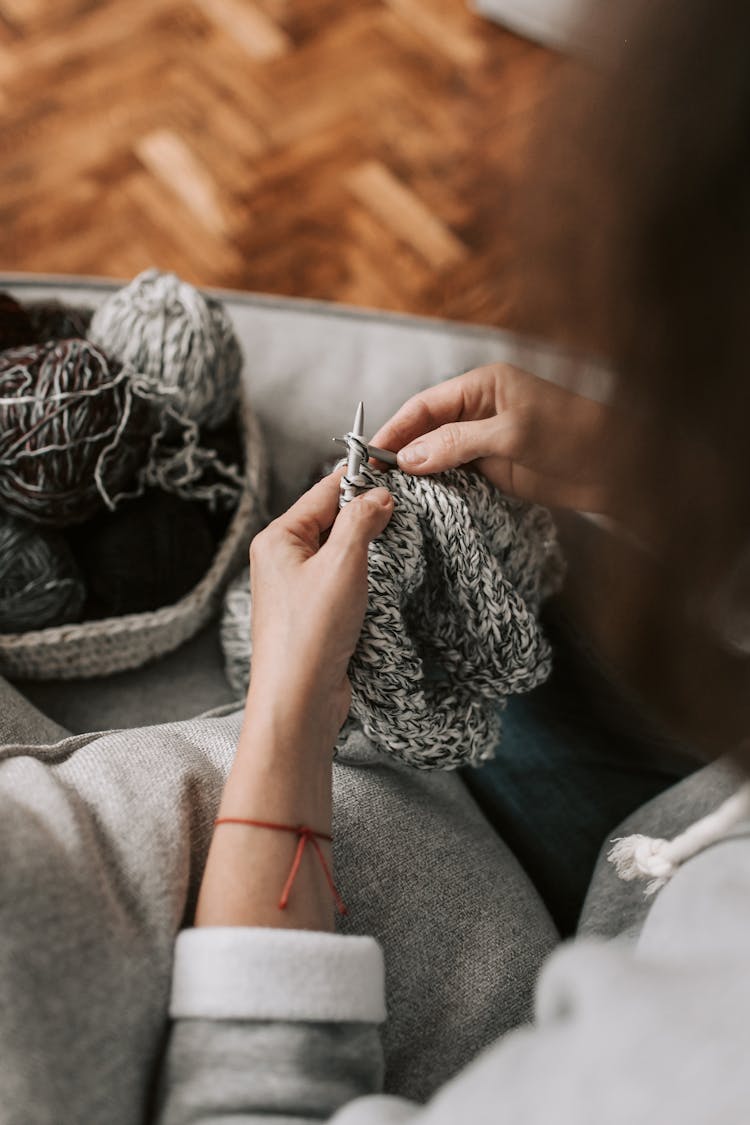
(68, 415)
(52, 320)
(16, 328)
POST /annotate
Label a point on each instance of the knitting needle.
(385, 455)
(348, 491)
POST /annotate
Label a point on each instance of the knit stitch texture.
(451, 628)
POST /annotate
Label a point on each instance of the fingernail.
(379, 496)
(413, 455)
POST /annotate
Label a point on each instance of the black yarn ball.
(52, 320)
(16, 328)
(149, 553)
(40, 584)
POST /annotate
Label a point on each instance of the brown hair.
(637, 247)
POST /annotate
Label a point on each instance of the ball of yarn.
(451, 628)
(148, 554)
(52, 320)
(39, 582)
(176, 337)
(72, 429)
(16, 328)
(235, 634)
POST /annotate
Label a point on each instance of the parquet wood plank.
(170, 160)
(248, 26)
(366, 152)
(448, 36)
(163, 220)
(48, 49)
(405, 214)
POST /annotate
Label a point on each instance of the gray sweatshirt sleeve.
(272, 1026)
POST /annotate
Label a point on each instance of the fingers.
(464, 396)
(515, 453)
(457, 443)
(303, 526)
(556, 429)
(313, 513)
(415, 417)
(358, 523)
(557, 434)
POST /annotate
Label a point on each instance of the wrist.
(271, 782)
(292, 722)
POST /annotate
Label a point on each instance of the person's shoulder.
(704, 911)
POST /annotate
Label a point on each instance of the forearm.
(281, 774)
(271, 1019)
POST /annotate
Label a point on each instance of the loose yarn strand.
(109, 501)
(179, 470)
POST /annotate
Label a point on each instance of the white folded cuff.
(244, 973)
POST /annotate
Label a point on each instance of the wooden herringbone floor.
(357, 150)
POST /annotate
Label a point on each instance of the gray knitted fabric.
(451, 628)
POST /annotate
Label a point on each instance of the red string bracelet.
(306, 836)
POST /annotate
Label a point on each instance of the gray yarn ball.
(75, 429)
(235, 635)
(168, 331)
(39, 581)
(452, 629)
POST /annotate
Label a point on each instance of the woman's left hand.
(308, 573)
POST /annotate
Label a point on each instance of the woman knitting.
(646, 232)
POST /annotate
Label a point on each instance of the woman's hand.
(531, 438)
(309, 593)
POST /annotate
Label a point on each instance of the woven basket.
(114, 644)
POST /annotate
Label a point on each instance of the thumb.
(457, 443)
(361, 520)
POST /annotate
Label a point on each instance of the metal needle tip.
(359, 421)
(354, 462)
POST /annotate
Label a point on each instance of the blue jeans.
(575, 758)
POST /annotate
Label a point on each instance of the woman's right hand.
(530, 438)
